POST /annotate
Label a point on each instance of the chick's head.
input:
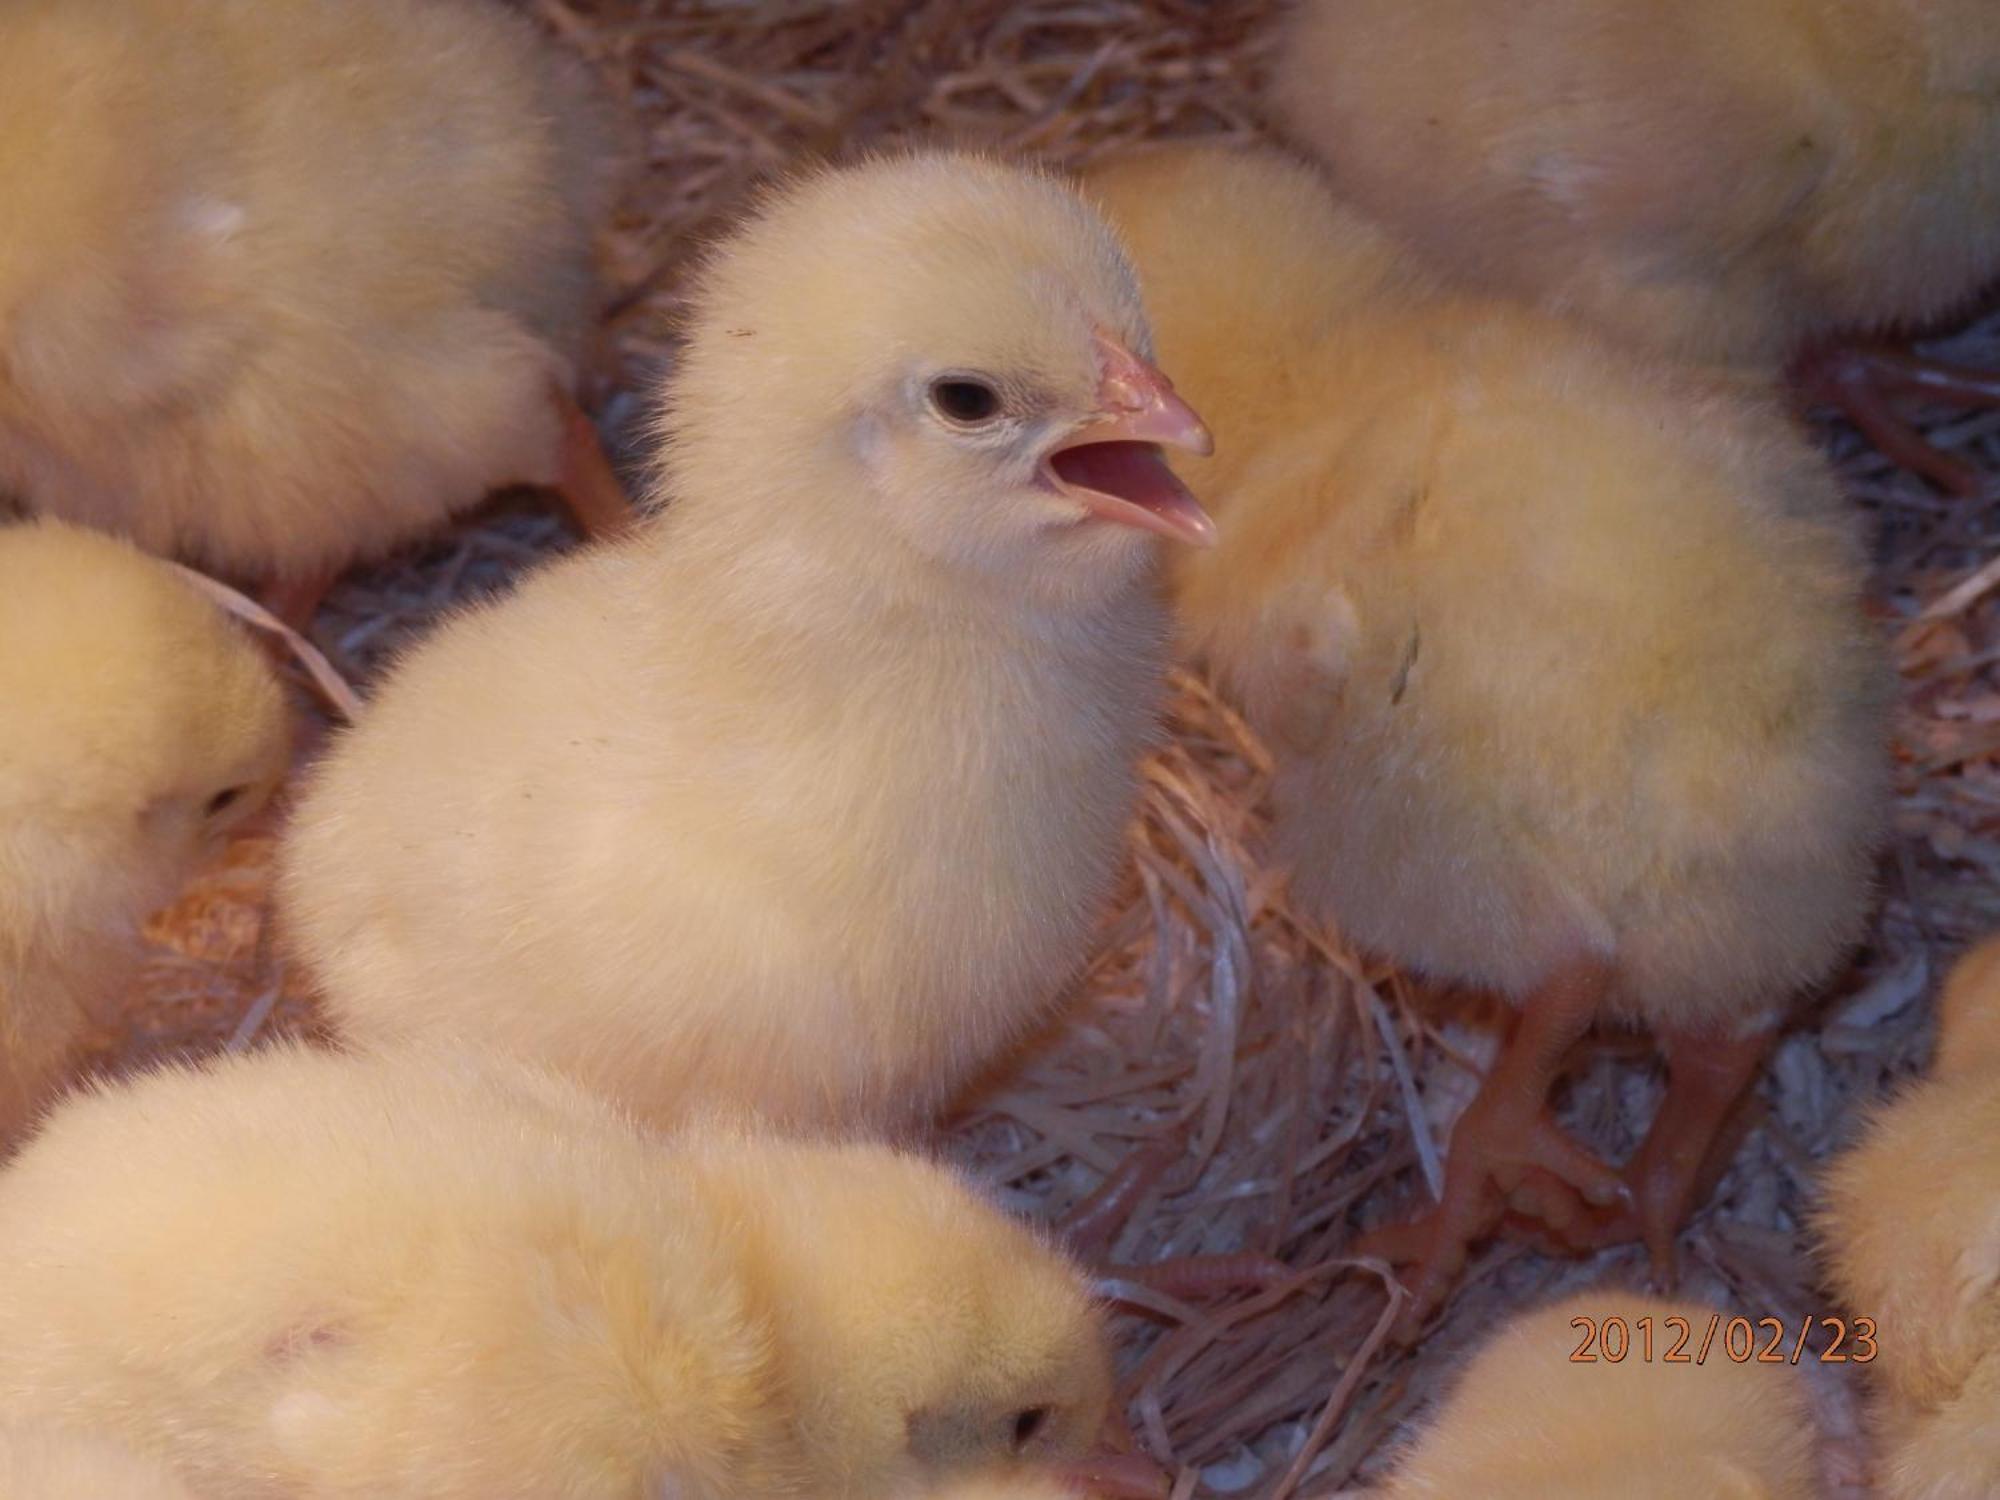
(924, 1334)
(943, 353)
(141, 726)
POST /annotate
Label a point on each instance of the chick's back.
(1526, 1422)
(46, 1463)
(341, 1277)
(1716, 179)
(1558, 648)
(299, 280)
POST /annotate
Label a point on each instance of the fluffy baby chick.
(432, 1275)
(1526, 1422)
(1726, 179)
(1911, 1236)
(45, 1463)
(805, 801)
(139, 728)
(1560, 654)
(288, 285)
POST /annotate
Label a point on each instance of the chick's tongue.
(1137, 474)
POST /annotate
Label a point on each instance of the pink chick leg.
(1690, 1144)
(1860, 382)
(1504, 1135)
(587, 484)
(295, 600)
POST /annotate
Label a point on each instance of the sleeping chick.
(286, 286)
(1526, 1422)
(1560, 655)
(806, 800)
(139, 727)
(1729, 180)
(46, 1463)
(431, 1275)
(1911, 1235)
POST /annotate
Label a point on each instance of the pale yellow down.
(1718, 178)
(128, 704)
(1524, 1422)
(1910, 1233)
(806, 800)
(46, 1463)
(433, 1277)
(1560, 653)
(286, 282)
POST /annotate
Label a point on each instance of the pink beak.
(1112, 464)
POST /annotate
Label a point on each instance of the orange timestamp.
(1679, 1341)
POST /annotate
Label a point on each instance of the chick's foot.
(1864, 383)
(1504, 1137)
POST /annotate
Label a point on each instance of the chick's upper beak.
(1112, 464)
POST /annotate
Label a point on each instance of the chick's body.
(1525, 1422)
(139, 727)
(1560, 655)
(1718, 179)
(1544, 670)
(44, 1463)
(335, 1277)
(806, 801)
(1911, 1235)
(289, 284)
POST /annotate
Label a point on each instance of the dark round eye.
(959, 398)
(1029, 1422)
(223, 800)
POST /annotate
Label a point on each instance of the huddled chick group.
(658, 906)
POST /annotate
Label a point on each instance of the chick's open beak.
(1112, 465)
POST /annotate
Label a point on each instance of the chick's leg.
(1689, 1145)
(1862, 381)
(1506, 1135)
(587, 483)
(295, 600)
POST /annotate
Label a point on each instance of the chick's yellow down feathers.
(336, 1277)
(139, 727)
(1911, 1236)
(1558, 651)
(1526, 1422)
(45, 1463)
(1722, 179)
(805, 801)
(286, 285)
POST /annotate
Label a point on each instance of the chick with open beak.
(1112, 465)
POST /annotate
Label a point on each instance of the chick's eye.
(961, 399)
(222, 801)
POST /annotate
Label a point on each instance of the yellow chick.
(285, 286)
(806, 800)
(1532, 1419)
(434, 1275)
(44, 1463)
(139, 727)
(1911, 1236)
(1560, 654)
(1723, 179)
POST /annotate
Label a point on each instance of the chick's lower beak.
(1112, 465)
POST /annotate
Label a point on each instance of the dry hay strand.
(1284, 1092)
